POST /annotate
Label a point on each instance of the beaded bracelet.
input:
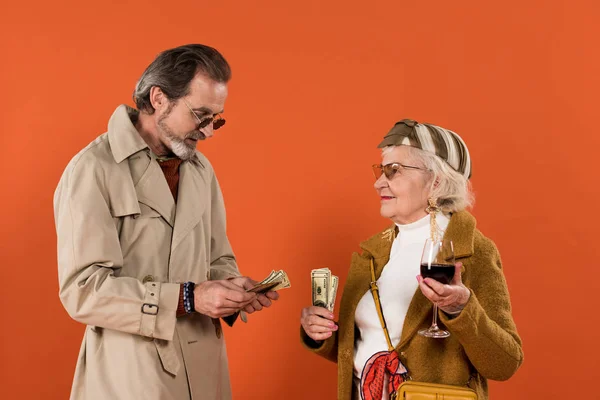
(188, 297)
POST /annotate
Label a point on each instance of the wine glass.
(437, 262)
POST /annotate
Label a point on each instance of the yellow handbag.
(411, 390)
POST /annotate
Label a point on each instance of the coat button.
(148, 278)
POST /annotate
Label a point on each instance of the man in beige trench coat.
(143, 256)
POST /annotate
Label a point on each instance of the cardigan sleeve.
(485, 327)
(326, 348)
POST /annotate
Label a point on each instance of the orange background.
(316, 85)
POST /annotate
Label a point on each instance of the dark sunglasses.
(390, 170)
(217, 120)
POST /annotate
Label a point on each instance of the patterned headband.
(431, 138)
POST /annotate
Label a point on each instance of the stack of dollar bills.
(276, 280)
(324, 288)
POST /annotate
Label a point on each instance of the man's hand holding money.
(221, 298)
(261, 300)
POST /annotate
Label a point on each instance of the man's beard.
(177, 145)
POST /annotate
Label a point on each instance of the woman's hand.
(451, 298)
(317, 323)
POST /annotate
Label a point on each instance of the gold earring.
(433, 209)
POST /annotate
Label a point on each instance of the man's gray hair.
(173, 70)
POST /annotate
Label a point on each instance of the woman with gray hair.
(424, 189)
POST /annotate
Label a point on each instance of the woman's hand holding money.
(318, 323)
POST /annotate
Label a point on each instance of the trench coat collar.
(152, 188)
(124, 138)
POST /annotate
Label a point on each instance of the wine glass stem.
(435, 314)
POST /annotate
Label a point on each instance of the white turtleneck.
(397, 285)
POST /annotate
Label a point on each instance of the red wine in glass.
(437, 262)
(442, 273)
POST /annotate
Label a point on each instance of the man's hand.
(261, 300)
(221, 298)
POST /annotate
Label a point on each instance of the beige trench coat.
(123, 248)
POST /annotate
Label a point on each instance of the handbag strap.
(375, 293)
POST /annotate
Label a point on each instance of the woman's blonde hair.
(451, 189)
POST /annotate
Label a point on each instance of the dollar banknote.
(276, 280)
(324, 288)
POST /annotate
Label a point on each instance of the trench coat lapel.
(127, 144)
(152, 190)
(191, 200)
